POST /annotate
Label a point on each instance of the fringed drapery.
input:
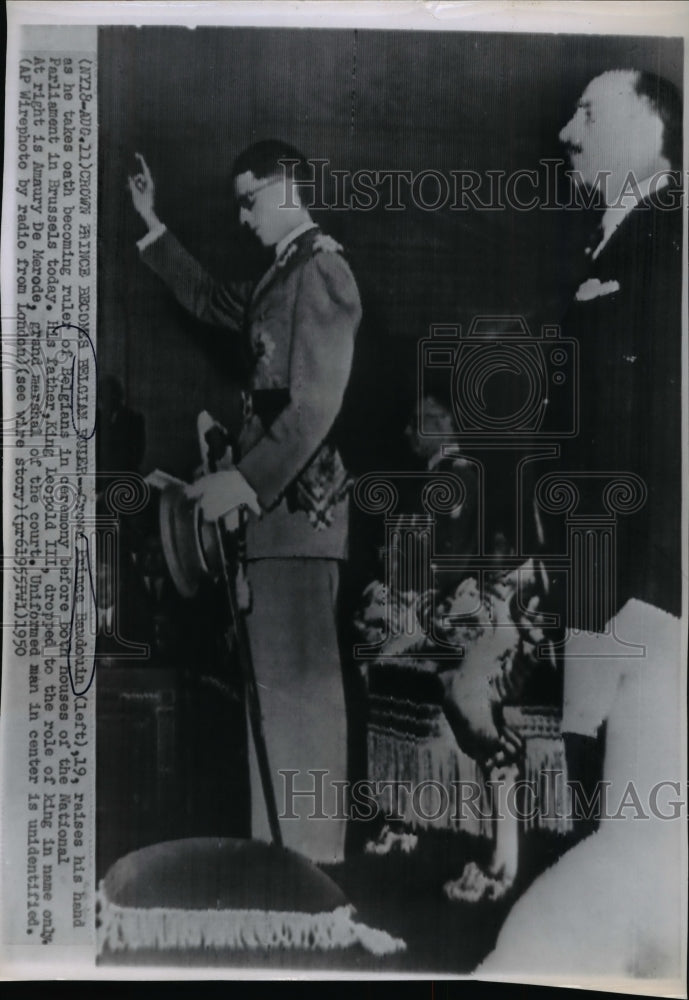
(410, 741)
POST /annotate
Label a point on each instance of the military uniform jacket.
(301, 319)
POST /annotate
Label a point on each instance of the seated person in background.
(431, 436)
(455, 533)
(422, 726)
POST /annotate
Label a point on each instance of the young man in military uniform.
(301, 319)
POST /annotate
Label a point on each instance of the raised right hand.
(142, 190)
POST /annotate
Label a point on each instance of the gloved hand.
(222, 493)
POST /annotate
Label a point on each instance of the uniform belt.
(267, 404)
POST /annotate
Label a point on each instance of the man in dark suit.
(624, 141)
(613, 904)
(301, 320)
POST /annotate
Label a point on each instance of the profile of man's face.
(613, 131)
(266, 207)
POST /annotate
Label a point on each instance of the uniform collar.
(292, 236)
(283, 252)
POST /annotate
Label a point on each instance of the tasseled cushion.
(226, 894)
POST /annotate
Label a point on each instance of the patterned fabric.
(410, 740)
(323, 484)
(409, 737)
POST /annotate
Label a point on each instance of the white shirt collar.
(293, 235)
(615, 214)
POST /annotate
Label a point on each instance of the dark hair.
(264, 158)
(666, 101)
(438, 389)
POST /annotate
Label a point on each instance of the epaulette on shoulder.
(312, 242)
(323, 243)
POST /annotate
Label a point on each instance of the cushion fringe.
(129, 928)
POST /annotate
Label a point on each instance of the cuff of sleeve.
(251, 498)
(151, 236)
(263, 500)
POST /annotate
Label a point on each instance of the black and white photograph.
(344, 371)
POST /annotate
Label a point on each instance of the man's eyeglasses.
(247, 199)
